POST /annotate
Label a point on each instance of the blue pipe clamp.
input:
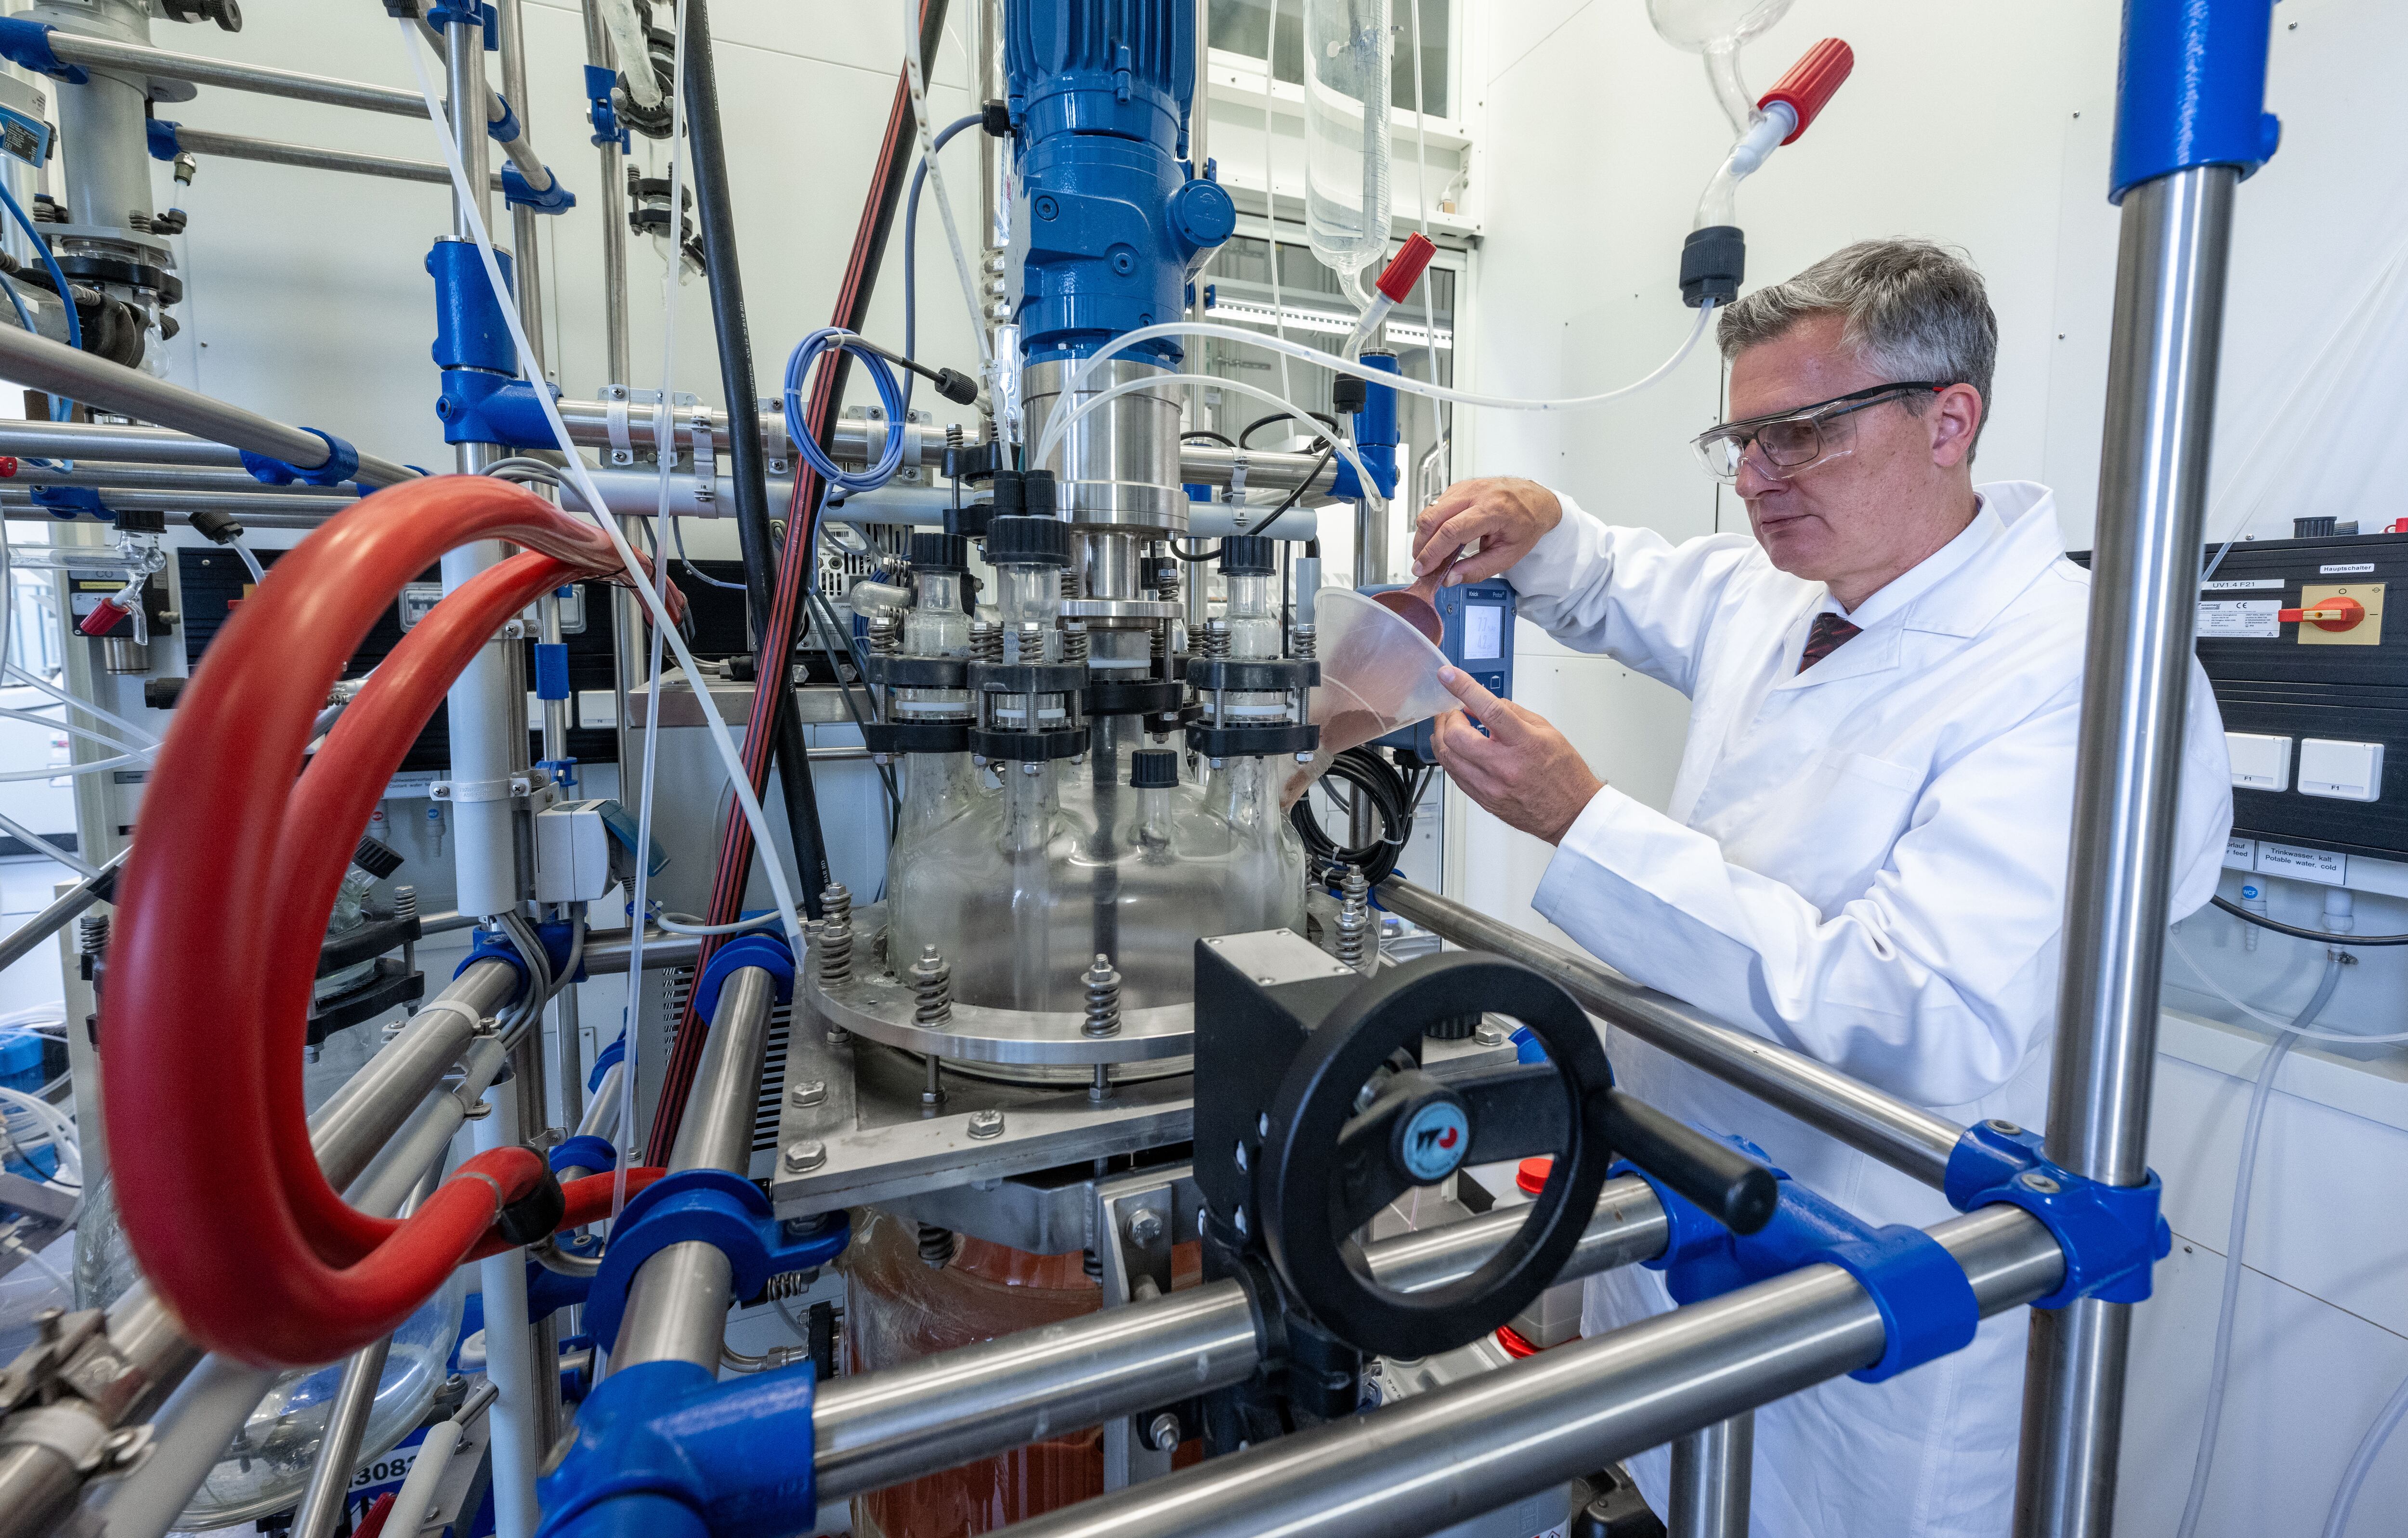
(1927, 1307)
(2110, 1235)
(2193, 90)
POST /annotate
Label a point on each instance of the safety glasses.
(1792, 443)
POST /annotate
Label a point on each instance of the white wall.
(1986, 127)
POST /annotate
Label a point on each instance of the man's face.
(1864, 514)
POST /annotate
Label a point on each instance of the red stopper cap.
(1811, 81)
(102, 618)
(8, 466)
(1531, 1174)
(1406, 270)
(1516, 1344)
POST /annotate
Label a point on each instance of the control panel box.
(2312, 677)
(1479, 618)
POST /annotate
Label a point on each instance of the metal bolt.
(1491, 1036)
(932, 991)
(987, 1124)
(804, 1155)
(1162, 1432)
(1144, 1226)
(1999, 1124)
(1242, 1164)
(1263, 1125)
(2034, 1179)
(1240, 1220)
(1103, 998)
(806, 1094)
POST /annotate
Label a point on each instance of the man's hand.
(1524, 771)
(1504, 516)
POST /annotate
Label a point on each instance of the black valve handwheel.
(1330, 1168)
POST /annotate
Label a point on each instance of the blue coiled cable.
(890, 395)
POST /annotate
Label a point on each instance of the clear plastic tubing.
(1347, 50)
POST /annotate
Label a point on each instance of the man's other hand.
(1524, 771)
(1504, 515)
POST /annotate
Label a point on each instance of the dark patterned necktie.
(1827, 635)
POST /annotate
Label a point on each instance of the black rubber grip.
(1732, 1189)
(534, 1215)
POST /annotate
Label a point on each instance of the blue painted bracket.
(444, 12)
(584, 1152)
(711, 1207)
(2192, 89)
(2112, 1234)
(491, 945)
(1927, 1305)
(1375, 436)
(767, 951)
(27, 44)
(504, 129)
(599, 82)
(605, 1060)
(663, 1451)
(549, 1291)
(158, 133)
(479, 406)
(73, 502)
(343, 464)
(555, 198)
(551, 669)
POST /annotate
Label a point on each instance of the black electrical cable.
(1206, 435)
(1394, 795)
(728, 322)
(1292, 499)
(1245, 437)
(912, 247)
(2247, 917)
(885, 772)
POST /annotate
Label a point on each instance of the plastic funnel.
(1377, 674)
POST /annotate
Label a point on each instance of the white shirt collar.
(1922, 578)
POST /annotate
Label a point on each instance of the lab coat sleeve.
(1630, 593)
(1933, 984)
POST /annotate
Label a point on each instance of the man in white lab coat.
(1865, 853)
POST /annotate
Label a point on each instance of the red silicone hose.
(199, 1024)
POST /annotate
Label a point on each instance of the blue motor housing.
(1479, 639)
(1108, 222)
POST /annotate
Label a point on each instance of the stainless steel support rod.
(677, 1304)
(126, 445)
(205, 141)
(1711, 1467)
(2153, 477)
(1442, 1456)
(869, 1432)
(147, 1355)
(51, 920)
(338, 1452)
(133, 58)
(1904, 1136)
(40, 364)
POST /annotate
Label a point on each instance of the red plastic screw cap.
(7, 468)
(102, 618)
(1531, 1174)
(1406, 269)
(1811, 81)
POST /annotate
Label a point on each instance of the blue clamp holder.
(583, 1152)
(442, 13)
(2110, 1235)
(664, 1451)
(27, 44)
(492, 945)
(70, 502)
(2192, 89)
(711, 1207)
(158, 133)
(767, 951)
(343, 464)
(1927, 1307)
(601, 80)
(504, 129)
(555, 198)
(604, 1061)
(551, 669)
(550, 1291)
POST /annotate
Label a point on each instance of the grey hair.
(1911, 311)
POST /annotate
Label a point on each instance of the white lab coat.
(1866, 862)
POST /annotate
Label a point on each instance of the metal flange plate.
(882, 1008)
